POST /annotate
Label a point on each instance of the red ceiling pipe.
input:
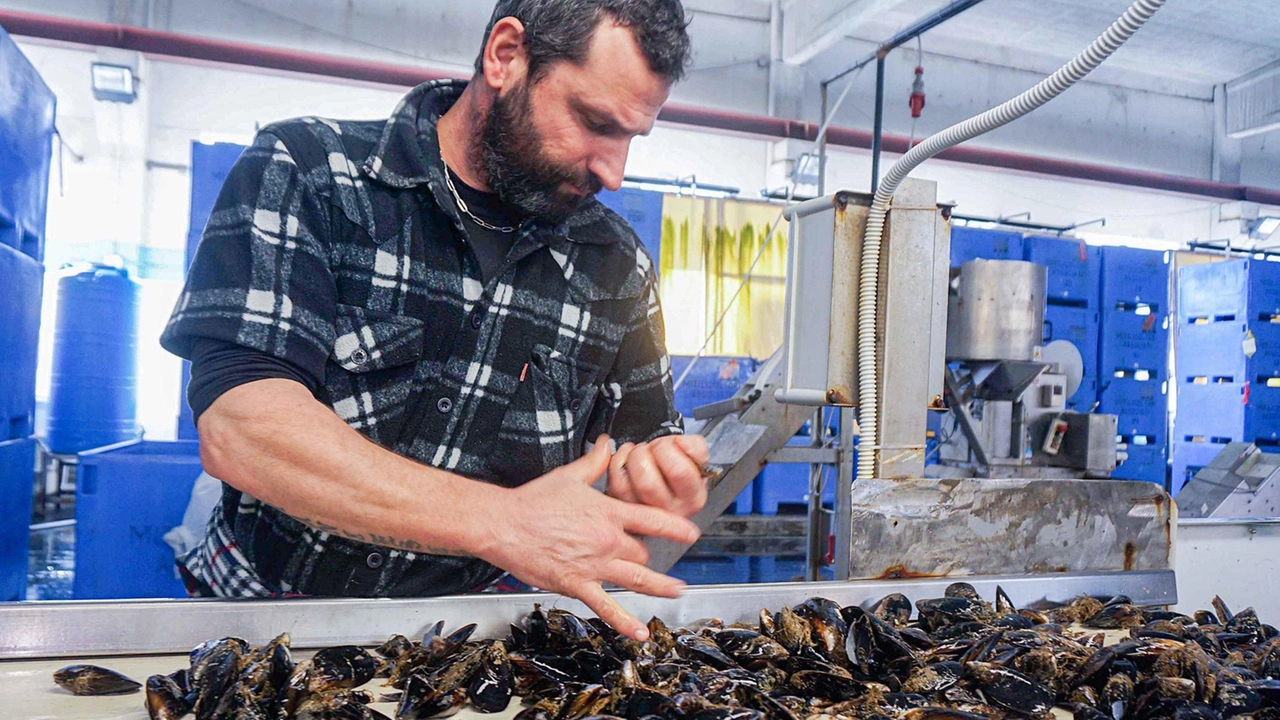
(154, 42)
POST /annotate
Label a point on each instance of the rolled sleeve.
(261, 277)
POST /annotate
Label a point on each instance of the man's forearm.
(273, 440)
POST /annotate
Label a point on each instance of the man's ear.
(505, 58)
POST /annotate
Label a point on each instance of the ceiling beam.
(811, 26)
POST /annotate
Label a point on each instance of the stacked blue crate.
(713, 379)
(26, 144)
(1075, 274)
(784, 487)
(21, 282)
(969, 243)
(1134, 357)
(1187, 459)
(17, 479)
(27, 116)
(713, 570)
(1228, 357)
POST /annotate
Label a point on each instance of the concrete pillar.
(1227, 153)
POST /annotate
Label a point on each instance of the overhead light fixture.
(1264, 227)
(113, 83)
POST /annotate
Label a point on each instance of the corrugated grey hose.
(1054, 85)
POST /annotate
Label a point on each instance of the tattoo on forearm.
(373, 539)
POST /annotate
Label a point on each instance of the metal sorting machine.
(1039, 538)
(1007, 395)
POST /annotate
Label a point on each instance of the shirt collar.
(408, 153)
(408, 156)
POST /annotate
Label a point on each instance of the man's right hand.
(559, 534)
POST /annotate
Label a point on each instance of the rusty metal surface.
(852, 210)
(959, 527)
(912, 295)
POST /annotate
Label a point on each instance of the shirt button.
(575, 405)
(374, 561)
(444, 405)
(477, 320)
(358, 356)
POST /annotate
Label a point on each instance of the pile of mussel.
(958, 657)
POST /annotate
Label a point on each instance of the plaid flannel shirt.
(336, 246)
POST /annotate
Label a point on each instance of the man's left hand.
(665, 473)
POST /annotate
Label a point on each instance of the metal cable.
(1049, 88)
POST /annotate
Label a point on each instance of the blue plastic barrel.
(93, 390)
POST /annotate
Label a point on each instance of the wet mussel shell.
(94, 680)
(700, 649)
(339, 668)
(166, 699)
(1010, 689)
(493, 683)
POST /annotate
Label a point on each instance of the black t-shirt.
(218, 366)
(490, 246)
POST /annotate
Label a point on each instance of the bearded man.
(412, 339)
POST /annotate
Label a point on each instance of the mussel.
(94, 680)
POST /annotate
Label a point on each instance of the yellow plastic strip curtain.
(708, 245)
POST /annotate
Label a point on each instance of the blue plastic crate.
(21, 282)
(1075, 269)
(1148, 463)
(1216, 351)
(1227, 412)
(26, 143)
(1187, 460)
(784, 487)
(642, 209)
(17, 477)
(1129, 343)
(745, 503)
(713, 379)
(127, 497)
(1131, 276)
(713, 570)
(969, 243)
(1141, 406)
(1240, 290)
(1213, 291)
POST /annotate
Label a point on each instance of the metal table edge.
(92, 628)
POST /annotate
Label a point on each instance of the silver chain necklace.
(462, 205)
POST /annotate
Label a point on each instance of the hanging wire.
(728, 305)
(63, 148)
(919, 61)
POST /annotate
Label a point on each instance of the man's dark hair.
(562, 29)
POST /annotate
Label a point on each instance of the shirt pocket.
(546, 420)
(371, 370)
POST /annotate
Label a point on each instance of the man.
(382, 314)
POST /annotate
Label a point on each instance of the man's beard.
(516, 166)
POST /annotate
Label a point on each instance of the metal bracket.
(805, 455)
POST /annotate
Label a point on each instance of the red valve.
(917, 93)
